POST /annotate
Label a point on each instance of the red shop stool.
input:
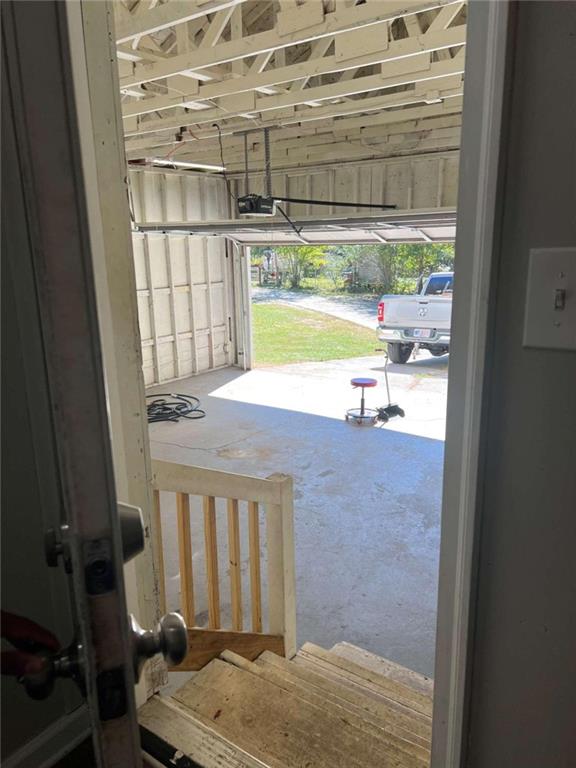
(362, 416)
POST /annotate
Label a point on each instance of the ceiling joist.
(334, 79)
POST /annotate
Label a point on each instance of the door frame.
(488, 52)
(44, 112)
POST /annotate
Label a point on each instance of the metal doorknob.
(170, 639)
(67, 663)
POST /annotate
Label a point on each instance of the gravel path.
(356, 309)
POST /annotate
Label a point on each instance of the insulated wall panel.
(425, 181)
(182, 281)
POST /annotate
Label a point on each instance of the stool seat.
(362, 382)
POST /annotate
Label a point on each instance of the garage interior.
(308, 597)
(392, 119)
(264, 98)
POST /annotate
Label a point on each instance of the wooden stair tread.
(376, 709)
(353, 674)
(278, 728)
(385, 733)
(201, 743)
(384, 667)
(322, 709)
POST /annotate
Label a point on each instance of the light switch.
(550, 312)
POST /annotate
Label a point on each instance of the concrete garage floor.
(367, 500)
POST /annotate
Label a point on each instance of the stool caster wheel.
(383, 416)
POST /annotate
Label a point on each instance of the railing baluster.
(185, 559)
(234, 559)
(255, 582)
(158, 543)
(281, 576)
(211, 543)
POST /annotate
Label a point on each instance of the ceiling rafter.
(165, 16)
(338, 22)
(333, 78)
(405, 74)
(206, 140)
(316, 65)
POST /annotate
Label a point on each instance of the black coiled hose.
(172, 407)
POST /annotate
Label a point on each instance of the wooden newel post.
(281, 570)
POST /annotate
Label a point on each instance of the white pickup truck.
(423, 319)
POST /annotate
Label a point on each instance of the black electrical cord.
(289, 220)
(226, 179)
(175, 408)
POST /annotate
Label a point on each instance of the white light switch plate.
(550, 311)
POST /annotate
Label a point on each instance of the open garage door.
(414, 226)
(437, 226)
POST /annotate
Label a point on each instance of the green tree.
(401, 264)
(296, 260)
(416, 259)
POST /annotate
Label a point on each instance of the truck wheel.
(400, 353)
(438, 351)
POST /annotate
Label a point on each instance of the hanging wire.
(226, 179)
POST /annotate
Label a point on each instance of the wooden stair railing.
(245, 496)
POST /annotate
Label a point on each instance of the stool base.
(366, 417)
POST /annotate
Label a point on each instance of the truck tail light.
(381, 312)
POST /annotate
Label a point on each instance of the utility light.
(167, 162)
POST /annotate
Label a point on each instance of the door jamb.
(487, 55)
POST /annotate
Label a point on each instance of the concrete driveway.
(367, 500)
(356, 309)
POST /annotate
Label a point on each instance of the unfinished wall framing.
(423, 182)
(184, 282)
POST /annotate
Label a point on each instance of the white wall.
(523, 665)
(423, 181)
(185, 300)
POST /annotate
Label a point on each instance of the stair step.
(279, 728)
(171, 723)
(381, 666)
(379, 710)
(373, 683)
(386, 734)
(322, 709)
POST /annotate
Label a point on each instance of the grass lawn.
(288, 335)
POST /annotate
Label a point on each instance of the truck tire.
(400, 353)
